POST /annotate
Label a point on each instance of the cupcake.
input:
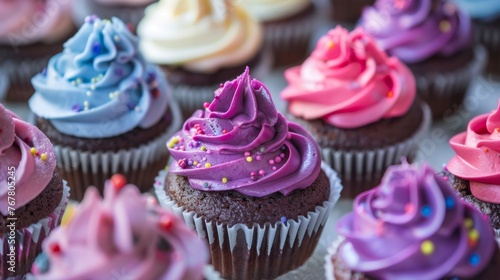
(200, 44)
(250, 182)
(288, 27)
(121, 236)
(473, 171)
(413, 226)
(32, 195)
(104, 108)
(130, 11)
(434, 38)
(359, 105)
(485, 16)
(31, 31)
(348, 12)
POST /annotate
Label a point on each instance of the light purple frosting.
(240, 142)
(413, 226)
(415, 30)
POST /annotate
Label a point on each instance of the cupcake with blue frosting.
(104, 108)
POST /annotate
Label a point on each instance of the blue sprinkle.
(96, 48)
(42, 263)
(44, 72)
(119, 72)
(284, 219)
(450, 202)
(426, 211)
(205, 185)
(474, 259)
(151, 77)
(76, 108)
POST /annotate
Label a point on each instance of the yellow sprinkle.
(224, 180)
(468, 223)
(208, 165)
(330, 45)
(170, 145)
(249, 159)
(195, 163)
(445, 26)
(427, 247)
(473, 235)
(69, 213)
(203, 148)
(167, 167)
(33, 151)
(43, 156)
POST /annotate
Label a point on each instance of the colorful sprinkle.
(262, 149)
(208, 165)
(166, 223)
(473, 235)
(258, 157)
(44, 156)
(224, 180)
(486, 150)
(203, 148)
(390, 94)
(249, 159)
(284, 219)
(262, 172)
(182, 163)
(76, 108)
(474, 259)
(330, 45)
(450, 202)
(55, 248)
(247, 154)
(409, 208)
(445, 26)
(271, 161)
(224, 131)
(427, 247)
(468, 223)
(33, 151)
(96, 48)
(277, 159)
(118, 181)
(205, 185)
(426, 211)
(206, 104)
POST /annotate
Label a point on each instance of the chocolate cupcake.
(201, 44)
(434, 39)
(31, 32)
(485, 16)
(475, 171)
(348, 11)
(121, 236)
(288, 27)
(104, 108)
(249, 182)
(32, 195)
(359, 105)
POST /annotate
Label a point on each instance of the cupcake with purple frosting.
(413, 226)
(434, 38)
(251, 183)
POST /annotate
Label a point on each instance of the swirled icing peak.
(121, 236)
(415, 30)
(199, 35)
(349, 82)
(480, 9)
(27, 161)
(477, 156)
(100, 86)
(413, 226)
(24, 22)
(240, 142)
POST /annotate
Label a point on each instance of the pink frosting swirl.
(477, 156)
(349, 82)
(29, 173)
(24, 22)
(122, 236)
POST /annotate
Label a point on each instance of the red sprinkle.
(206, 104)
(166, 223)
(118, 181)
(55, 248)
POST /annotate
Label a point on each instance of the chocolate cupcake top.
(100, 86)
(477, 156)
(24, 22)
(349, 82)
(269, 10)
(415, 30)
(413, 226)
(27, 162)
(202, 36)
(121, 236)
(480, 9)
(241, 142)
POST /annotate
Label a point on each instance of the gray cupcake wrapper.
(84, 8)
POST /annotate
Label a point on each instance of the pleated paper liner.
(488, 34)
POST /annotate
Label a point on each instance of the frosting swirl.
(480, 9)
(477, 156)
(24, 22)
(413, 226)
(268, 10)
(199, 35)
(240, 142)
(26, 149)
(415, 30)
(100, 86)
(121, 237)
(349, 82)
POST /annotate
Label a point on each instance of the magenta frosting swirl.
(415, 30)
(31, 172)
(122, 236)
(477, 156)
(413, 226)
(349, 82)
(240, 142)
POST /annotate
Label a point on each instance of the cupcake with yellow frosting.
(200, 44)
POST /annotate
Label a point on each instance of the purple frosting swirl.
(413, 226)
(415, 30)
(240, 142)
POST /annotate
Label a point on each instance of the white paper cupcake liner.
(294, 236)
(445, 91)
(83, 8)
(29, 239)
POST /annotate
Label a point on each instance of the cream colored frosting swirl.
(267, 10)
(200, 35)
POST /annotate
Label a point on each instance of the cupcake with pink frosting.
(32, 196)
(359, 104)
(124, 235)
(435, 39)
(475, 169)
(413, 226)
(31, 31)
(250, 182)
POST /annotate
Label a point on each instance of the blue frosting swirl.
(481, 9)
(100, 85)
